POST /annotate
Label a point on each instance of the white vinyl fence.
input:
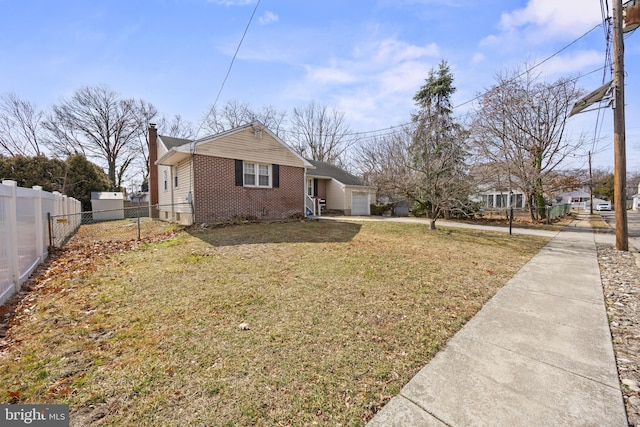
(24, 231)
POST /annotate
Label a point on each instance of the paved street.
(633, 225)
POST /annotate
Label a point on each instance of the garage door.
(360, 204)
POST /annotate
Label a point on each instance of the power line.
(246, 29)
(537, 65)
(224, 81)
(394, 129)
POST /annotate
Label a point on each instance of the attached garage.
(360, 204)
(344, 194)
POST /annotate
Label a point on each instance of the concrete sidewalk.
(538, 353)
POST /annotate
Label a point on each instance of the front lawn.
(264, 324)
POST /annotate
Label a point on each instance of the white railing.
(313, 205)
(310, 206)
(24, 231)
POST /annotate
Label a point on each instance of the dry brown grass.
(339, 316)
(597, 223)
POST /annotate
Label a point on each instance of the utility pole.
(619, 161)
(590, 187)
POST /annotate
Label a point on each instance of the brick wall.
(217, 198)
(322, 188)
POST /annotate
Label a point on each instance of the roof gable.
(252, 142)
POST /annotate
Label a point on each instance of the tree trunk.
(540, 202)
(532, 210)
(434, 216)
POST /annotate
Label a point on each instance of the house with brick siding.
(247, 172)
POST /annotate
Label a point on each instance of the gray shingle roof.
(327, 170)
(171, 142)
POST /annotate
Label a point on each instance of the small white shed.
(107, 206)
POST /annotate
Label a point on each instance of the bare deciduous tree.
(321, 133)
(235, 113)
(521, 122)
(384, 161)
(20, 126)
(97, 123)
(176, 127)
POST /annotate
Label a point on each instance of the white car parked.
(603, 207)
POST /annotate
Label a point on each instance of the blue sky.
(366, 58)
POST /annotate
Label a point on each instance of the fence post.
(12, 241)
(510, 219)
(37, 200)
(51, 237)
(548, 209)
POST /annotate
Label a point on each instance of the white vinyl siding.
(244, 145)
(180, 192)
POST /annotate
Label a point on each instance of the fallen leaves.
(14, 396)
(67, 267)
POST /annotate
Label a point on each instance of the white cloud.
(329, 75)
(573, 63)
(392, 50)
(478, 58)
(378, 77)
(268, 18)
(543, 20)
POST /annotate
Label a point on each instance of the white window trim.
(165, 180)
(175, 177)
(256, 174)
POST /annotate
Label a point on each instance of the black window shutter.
(239, 177)
(276, 175)
(315, 187)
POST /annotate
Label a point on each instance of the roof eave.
(173, 157)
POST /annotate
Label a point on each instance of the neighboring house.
(106, 206)
(495, 188)
(141, 197)
(247, 172)
(636, 200)
(493, 199)
(336, 190)
(579, 199)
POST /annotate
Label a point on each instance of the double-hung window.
(257, 175)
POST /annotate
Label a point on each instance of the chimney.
(153, 170)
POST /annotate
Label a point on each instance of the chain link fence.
(558, 211)
(129, 223)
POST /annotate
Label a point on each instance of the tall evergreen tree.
(438, 149)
